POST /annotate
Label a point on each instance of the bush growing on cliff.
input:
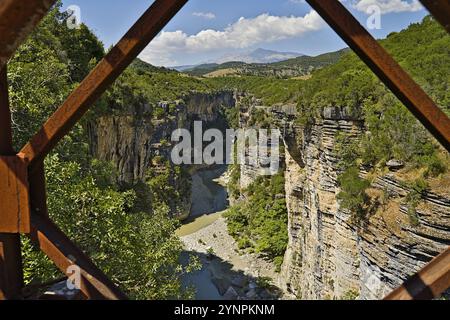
(353, 192)
(417, 188)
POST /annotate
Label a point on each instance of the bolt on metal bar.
(386, 68)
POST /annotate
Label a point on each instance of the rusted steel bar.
(386, 68)
(428, 283)
(440, 9)
(96, 83)
(6, 146)
(55, 244)
(14, 196)
(11, 276)
(17, 19)
(38, 190)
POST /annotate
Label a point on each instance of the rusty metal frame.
(19, 17)
(440, 9)
(44, 233)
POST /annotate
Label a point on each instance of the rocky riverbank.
(235, 276)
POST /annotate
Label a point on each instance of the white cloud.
(206, 15)
(388, 6)
(244, 33)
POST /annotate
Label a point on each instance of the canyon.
(329, 255)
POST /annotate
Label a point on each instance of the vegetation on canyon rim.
(129, 235)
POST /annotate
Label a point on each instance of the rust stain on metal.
(38, 190)
(14, 203)
(11, 274)
(17, 20)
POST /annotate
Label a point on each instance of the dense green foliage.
(140, 252)
(260, 222)
(169, 186)
(137, 250)
(270, 90)
(423, 50)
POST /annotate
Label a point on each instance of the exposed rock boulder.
(394, 164)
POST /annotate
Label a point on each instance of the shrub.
(413, 198)
(353, 192)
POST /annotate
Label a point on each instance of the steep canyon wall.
(329, 255)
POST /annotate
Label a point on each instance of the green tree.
(353, 192)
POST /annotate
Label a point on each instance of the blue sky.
(207, 29)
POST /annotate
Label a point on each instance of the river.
(209, 199)
(226, 274)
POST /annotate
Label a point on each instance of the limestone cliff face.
(329, 256)
(133, 140)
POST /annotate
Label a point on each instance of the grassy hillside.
(296, 67)
(143, 83)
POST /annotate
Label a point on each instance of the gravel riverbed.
(235, 276)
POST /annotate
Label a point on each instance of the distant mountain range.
(298, 66)
(254, 56)
(258, 56)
